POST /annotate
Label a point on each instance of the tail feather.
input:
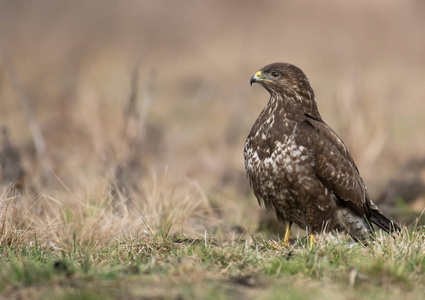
(379, 219)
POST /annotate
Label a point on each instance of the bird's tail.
(379, 219)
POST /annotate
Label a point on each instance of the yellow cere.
(258, 75)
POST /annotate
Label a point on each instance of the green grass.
(165, 267)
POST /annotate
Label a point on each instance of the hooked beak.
(256, 78)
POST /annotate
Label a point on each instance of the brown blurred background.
(132, 88)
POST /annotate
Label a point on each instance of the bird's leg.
(314, 224)
(287, 235)
(312, 240)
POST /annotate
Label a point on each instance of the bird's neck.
(293, 105)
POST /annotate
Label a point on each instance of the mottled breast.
(275, 164)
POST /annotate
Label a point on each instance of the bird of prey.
(299, 167)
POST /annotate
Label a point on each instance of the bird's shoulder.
(332, 163)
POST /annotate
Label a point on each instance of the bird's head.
(287, 81)
(281, 76)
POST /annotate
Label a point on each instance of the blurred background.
(102, 98)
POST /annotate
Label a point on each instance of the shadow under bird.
(299, 167)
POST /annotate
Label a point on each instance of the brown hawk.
(299, 167)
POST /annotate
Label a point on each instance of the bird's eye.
(275, 74)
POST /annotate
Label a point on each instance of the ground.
(164, 267)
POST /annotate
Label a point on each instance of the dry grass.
(95, 219)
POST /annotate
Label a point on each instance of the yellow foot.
(285, 242)
(278, 246)
(312, 240)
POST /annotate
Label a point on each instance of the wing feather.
(334, 165)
